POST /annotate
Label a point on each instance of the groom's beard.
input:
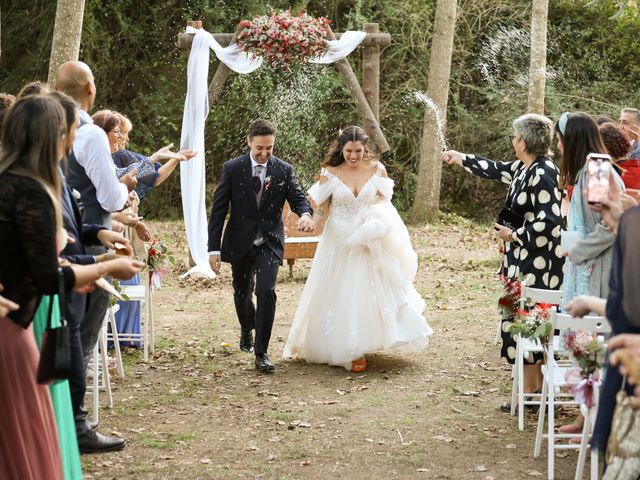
(262, 158)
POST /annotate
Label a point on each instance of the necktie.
(257, 181)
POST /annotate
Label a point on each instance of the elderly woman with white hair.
(530, 221)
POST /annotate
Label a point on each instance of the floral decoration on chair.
(282, 38)
(533, 324)
(588, 354)
(509, 301)
(158, 255)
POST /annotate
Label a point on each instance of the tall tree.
(66, 34)
(427, 199)
(538, 61)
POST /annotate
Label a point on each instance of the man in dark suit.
(256, 186)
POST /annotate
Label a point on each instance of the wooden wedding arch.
(367, 101)
(366, 97)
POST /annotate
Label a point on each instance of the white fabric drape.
(339, 49)
(192, 173)
(196, 109)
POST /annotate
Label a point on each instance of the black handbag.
(55, 348)
(510, 219)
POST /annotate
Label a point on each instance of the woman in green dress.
(60, 394)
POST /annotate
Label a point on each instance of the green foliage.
(139, 71)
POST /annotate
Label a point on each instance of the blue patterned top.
(126, 160)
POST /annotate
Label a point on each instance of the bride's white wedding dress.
(359, 297)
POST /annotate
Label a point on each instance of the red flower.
(152, 252)
(245, 24)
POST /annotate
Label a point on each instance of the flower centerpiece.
(509, 301)
(534, 324)
(282, 38)
(588, 354)
(158, 255)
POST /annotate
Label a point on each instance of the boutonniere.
(267, 182)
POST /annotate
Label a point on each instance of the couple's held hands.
(214, 263)
(165, 153)
(452, 157)
(305, 224)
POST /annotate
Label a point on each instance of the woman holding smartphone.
(530, 249)
(589, 261)
(588, 264)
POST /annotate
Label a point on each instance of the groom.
(256, 186)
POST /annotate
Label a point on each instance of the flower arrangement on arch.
(158, 255)
(283, 38)
(534, 324)
(588, 353)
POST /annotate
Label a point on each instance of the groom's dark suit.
(247, 222)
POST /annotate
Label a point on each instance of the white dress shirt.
(91, 149)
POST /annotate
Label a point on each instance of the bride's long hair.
(334, 156)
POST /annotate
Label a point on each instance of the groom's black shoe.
(263, 364)
(246, 341)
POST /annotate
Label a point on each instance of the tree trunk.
(427, 199)
(538, 62)
(66, 35)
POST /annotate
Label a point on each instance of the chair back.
(539, 295)
(594, 324)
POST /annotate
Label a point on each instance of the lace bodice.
(345, 206)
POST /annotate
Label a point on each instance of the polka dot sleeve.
(490, 170)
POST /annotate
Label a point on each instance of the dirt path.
(199, 410)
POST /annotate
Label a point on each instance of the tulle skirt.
(359, 297)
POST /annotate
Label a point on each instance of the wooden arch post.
(371, 75)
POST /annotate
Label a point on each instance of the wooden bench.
(299, 244)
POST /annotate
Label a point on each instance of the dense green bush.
(140, 72)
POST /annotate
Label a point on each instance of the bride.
(359, 297)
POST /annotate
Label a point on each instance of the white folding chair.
(100, 366)
(589, 424)
(554, 379)
(524, 347)
(112, 336)
(144, 295)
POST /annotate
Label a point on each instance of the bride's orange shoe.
(359, 365)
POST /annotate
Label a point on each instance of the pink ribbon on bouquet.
(155, 276)
(584, 390)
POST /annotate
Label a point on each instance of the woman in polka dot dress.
(531, 251)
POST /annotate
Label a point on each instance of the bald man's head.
(76, 80)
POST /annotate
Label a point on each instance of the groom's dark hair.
(261, 127)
